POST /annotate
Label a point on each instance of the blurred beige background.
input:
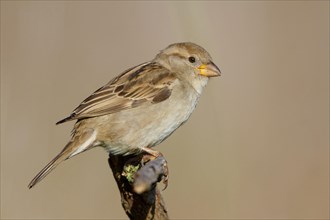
(256, 147)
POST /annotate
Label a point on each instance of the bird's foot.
(153, 155)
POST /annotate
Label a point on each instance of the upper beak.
(209, 70)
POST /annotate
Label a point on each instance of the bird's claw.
(165, 175)
(152, 155)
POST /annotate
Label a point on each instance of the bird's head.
(188, 58)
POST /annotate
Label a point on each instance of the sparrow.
(141, 107)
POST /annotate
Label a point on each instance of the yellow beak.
(209, 70)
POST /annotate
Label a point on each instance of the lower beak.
(209, 70)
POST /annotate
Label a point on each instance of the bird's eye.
(192, 59)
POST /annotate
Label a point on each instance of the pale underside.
(127, 131)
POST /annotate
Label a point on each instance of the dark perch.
(140, 197)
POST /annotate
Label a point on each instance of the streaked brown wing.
(146, 83)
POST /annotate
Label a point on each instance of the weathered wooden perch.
(137, 183)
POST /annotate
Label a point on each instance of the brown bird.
(141, 107)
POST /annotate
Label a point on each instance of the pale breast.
(148, 125)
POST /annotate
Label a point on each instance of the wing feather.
(146, 83)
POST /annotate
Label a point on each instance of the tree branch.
(137, 180)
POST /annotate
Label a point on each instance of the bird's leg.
(152, 155)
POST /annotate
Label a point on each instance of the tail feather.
(77, 145)
(48, 168)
